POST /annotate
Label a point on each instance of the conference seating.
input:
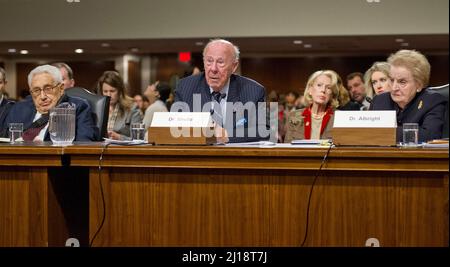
(443, 90)
(99, 105)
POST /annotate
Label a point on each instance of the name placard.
(365, 119)
(181, 119)
(181, 128)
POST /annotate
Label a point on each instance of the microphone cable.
(325, 157)
(101, 191)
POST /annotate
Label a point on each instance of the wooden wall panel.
(23, 207)
(86, 73)
(134, 78)
(291, 74)
(194, 207)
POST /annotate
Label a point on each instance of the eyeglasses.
(48, 90)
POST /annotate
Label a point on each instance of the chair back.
(99, 105)
(443, 90)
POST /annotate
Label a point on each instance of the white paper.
(311, 142)
(251, 144)
(365, 119)
(124, 142)
(181, 119)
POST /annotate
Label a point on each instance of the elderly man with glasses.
(47, 91)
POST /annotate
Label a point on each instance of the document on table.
(125, 142)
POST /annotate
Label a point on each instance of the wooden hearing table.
(224, 196)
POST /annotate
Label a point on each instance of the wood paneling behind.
(134, 78)
(86, 73)
(291, 74)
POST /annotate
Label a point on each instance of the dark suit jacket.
(426, 108)
(24, 112)
(241, 90)
(5, 106)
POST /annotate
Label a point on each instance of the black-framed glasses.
(48, 90)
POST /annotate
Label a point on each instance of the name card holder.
(181, 128)
(365, 128)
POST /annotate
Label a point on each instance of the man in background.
(357, 90)
(67, 74)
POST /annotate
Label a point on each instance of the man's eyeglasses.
(48, 90)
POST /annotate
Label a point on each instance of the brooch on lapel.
(296, 121)
(420, 104)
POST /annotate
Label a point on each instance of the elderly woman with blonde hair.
(377, 79)
(316, 119)
(410, 73)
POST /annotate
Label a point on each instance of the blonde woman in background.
(321, 99)
(377, 79)
(122, 111)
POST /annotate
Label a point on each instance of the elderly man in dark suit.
(47, 91)
(410, 73)
(231, 99)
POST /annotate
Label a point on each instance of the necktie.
(216, 111)
(218, 96)
(31, 132)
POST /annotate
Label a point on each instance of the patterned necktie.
(35, 128)
(218, 96)
(216, 111)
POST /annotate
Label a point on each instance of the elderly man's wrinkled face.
(220, 62)
(45, 92)
(404, 87)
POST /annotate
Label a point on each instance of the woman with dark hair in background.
(157, 94)
(121, 111)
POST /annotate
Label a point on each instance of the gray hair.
(52, 70)
(219, 40)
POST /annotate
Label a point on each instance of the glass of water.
(15, 132)
(137, 131)
(410, 134)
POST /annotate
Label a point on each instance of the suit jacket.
(241, 90)
(426, 108)
(296, 126)
(5, 107)
(25, 111)
(123, 123)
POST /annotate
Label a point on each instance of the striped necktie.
(35, 128)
